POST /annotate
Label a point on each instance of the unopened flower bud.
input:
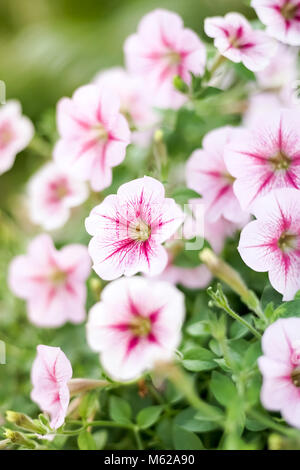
(16, 437)
(77, 386)
(25, 422)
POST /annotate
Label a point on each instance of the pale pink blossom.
(192, 278)
(16, 131)
(281, 73)
(137, 323)
(129, 228)
(161, 49)
(135, 102)
(52, 193)
(50, 374)
(266, 156)
(272, 242)
(257, 105)
(52, 282)
(93, 135)
(215, 233)
(207, 173)
(282, 18)
(280, 367)
(235, 39)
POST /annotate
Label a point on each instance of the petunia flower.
(52, 193)
(282, 18)
(235, 39)
(50, 374)
(52, 282)
(137, 323)
(280, 367)
(206, 173)
(215, 233)
(93, 135)
(128, 229)
(265, 157)
(272, 242)
(281, 73)
(161, 49)
(135, 102)
(16, 131)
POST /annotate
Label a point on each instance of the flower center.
(229, 179)
(140, 326)
(289, 11)
(60, 189)
(172, 57)
(57, 277)
(287, 241)
(6, 136)
(280, 161)
(295, 376)
(139, 230)
(100, 132)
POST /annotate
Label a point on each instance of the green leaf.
(188, 420)
(119, 410)
(288, 309)
(86, 441)
(238, 330)
(208, 92)
(148, 416)
(198, 359)
(223, 388)
(185, 440)
(164, 432)
(88, 405)
(200, 328)
(253, 425)
(183, 195)
(196, 83)
(243, 72)
(270, 295)
(251, 355)
(100, 438)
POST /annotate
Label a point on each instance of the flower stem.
(218, 61)
(227, 274)
(270, 423)
(183, 383)
(220, 300)
(41, 147)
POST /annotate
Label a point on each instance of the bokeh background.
(48, 49)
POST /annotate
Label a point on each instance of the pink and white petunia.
(281, 73)
(16, 131)
(50, 374)
(280, 367)
(197, 277)
(272, 242)
(52, 282)
(52, 193)
(135, 101)
(161, 49)
(235, 39)
(282, 18)
(192, 278)
(137, 323)
(206, 173)
(256, 106)
(129, 228)
(93, 135)
(266, 156)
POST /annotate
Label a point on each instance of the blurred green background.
(50, 47)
